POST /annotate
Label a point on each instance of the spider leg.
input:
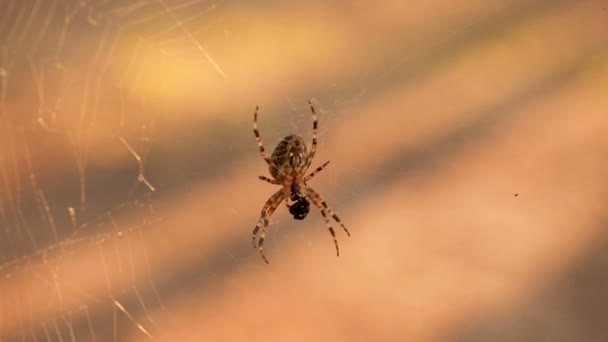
(318, 201)
(269, 208)
(258, 140)
(269, 180)
(331, 230)
(317, 170)
(313, 146)
(315, 198)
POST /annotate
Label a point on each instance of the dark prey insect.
(288, 165)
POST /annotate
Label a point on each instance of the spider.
(288, 165)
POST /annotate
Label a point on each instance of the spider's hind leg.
(313, 146)
(258, 139)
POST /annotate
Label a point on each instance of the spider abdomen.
(289, 155)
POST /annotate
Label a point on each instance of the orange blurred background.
(468, 160)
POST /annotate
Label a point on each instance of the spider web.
(124, 125)
(76, 136)
(82, 156)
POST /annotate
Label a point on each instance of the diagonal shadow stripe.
(423, 158)
(576, 297)
(415, 64)
(189, 159)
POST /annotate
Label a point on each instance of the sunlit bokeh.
(469, 160)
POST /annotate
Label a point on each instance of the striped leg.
(318, 201)
(331, 230)
(315, 198)
(271, 181)
(317, 170)
(313, 147)
(269, 208)
(258, 140)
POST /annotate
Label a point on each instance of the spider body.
(300, 208)
(287, 165)
(288, 157)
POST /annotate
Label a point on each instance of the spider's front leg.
(269, 208)
(326, 211)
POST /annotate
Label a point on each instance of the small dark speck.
(515, 195)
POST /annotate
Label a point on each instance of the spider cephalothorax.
(288, 165)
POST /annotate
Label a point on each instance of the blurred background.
(467, 140)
